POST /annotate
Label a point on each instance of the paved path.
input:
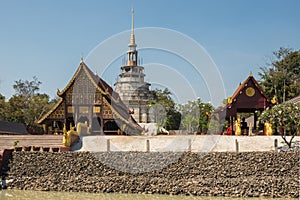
(7, 141)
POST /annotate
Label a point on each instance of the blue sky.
(46, 38)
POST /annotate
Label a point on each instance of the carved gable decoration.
(58, 112)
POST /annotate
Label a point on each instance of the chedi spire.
(132, 44)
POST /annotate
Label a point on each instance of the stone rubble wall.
(247, 174)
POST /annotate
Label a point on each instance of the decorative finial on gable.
(81, 58)
(229, 100)
(251, 75)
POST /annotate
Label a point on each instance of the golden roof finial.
(229, 100)
(251, 75)
(132, 37)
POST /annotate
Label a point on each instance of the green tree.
(162, 109)
(195, 115)
(158, 115)
(284, 119)
(27, 88)
(281, 78)
(190, 122)
(16, 108)
(27, 105)
(173, 119)
(2, 107)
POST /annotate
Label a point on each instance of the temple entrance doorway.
(249, 122)
(110, 127)
(83, 119)
(70, 123)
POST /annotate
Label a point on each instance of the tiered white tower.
(131, 86)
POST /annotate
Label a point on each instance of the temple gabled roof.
(248, 97)
(111, 97)
(100, 84)
(12, 128)
(244, 85)
(294, 100)
(58, 103)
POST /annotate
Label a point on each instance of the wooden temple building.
(248, 98)
(89, 99)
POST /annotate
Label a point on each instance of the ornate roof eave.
(122, 117)
(260, 89)
(70, 83)
(92, 77)
(82, 66)
(59, 102)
